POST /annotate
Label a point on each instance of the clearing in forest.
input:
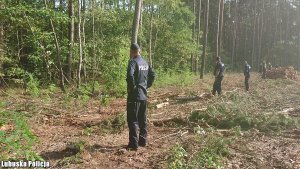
(188, 128)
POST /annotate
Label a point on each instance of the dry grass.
(58, 120)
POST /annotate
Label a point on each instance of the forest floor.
(263, 134)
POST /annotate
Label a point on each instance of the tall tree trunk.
(218, 28)
(233, 45)
(197, 70)
(83, 41)
(287, 18)
(245, 43)
(275, 35)
(254, 34)
(80, 46)
(94, 45)
(1, 44)
(156, 38)
(71, 39)
(261, 32)
(193, 34)
(61, 8)
(298, 58)
(258, 40)
(234, 25)
(221, 27)
(199, 23)
(287, 31)
(280, 24)
(205, 40)
(238, 34)
(141, 24)
(136, 20)
(150, 36)
(58, 53)
(268, 27)
(155, 45)
(199, 35)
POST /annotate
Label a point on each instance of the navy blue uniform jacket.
(247, 70)
(140, 77)
(219, 69)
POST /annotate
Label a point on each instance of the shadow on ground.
(104, 149)
(56, 155)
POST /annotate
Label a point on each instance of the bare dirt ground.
(57, 125)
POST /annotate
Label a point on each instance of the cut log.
(179, 133)
(206, 96)
(288, 110)
(200, 110)
(161, 105)
(282, 73)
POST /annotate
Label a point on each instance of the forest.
(66, 42)
(63, 89)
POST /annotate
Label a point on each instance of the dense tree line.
(75, 41)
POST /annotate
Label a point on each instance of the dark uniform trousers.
(264, 74)
(247, 77)
(137, 119)
(218, 85)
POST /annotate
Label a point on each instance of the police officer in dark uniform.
(140, 77)
(264, 70)
(219, 75)
(247, 75)
(260, 68)
(270, 67)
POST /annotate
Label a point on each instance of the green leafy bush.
(114, 73)
(209, 154)
(177, 158)
(32, 85)
(240, 112)
(108, 126)
(181, 78)
(114, 125)
(17, 142)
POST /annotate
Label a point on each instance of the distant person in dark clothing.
(260, 68)
(219, 75)
(247, 75)
(140, 77)
(270, 67)
(264, 70)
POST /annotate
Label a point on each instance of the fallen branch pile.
(282, 73)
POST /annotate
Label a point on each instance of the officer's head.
(134, 50)
(246, 63)
(218, 59)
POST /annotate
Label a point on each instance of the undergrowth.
(16, 139)
(110, 126)
(232, 113)
(164, 79)
(208, 151)
(238, 109)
